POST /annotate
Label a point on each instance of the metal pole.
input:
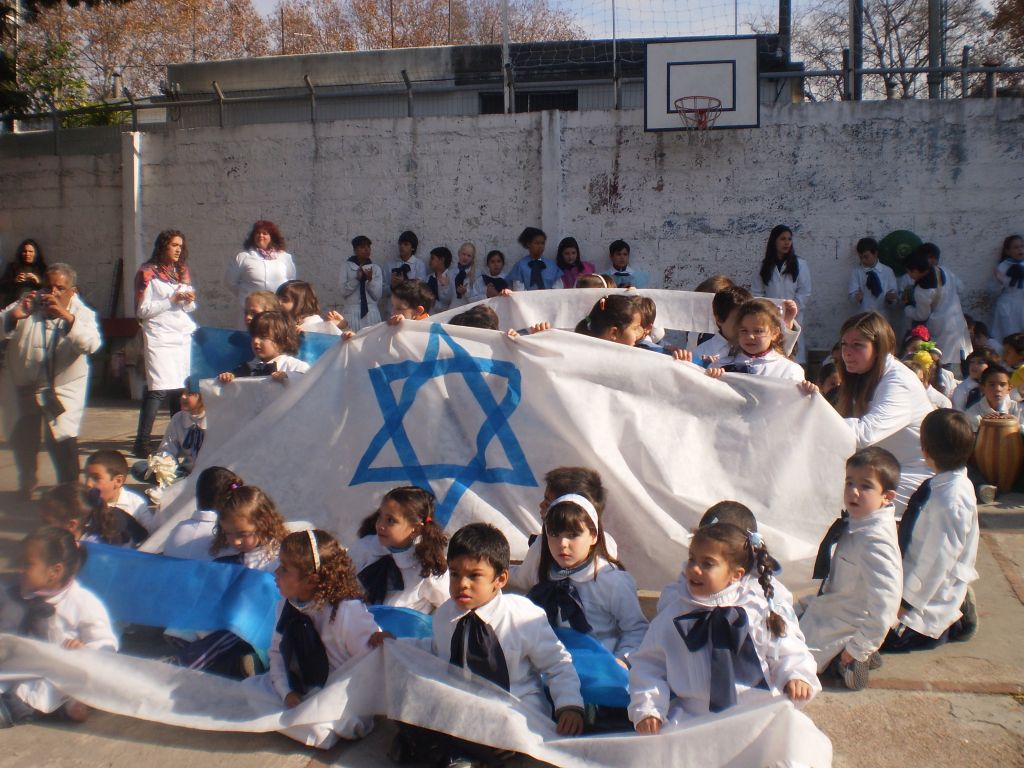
(617, 96)
(934, 47)
(282, 29)
(392, 6)
(785, 27)
(408, 89)
(312, 98)
(220, 100)
(449, 22)
(506, 63)
(736, 17)
(847, 76)
(857, 47)
(965, 61)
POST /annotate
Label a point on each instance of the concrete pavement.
(962, 704)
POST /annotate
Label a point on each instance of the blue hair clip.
(755, 538)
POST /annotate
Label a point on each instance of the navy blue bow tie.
(560, 596)
(1016, 275)
(483, 654)
(874, 283)
(823, 562)
(263, 369)
(380, 577)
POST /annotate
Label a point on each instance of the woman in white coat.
(783, 275)
(262, 265)
(882, 400)
(164, 299)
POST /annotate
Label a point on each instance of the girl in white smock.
(783, 275)
(1009, 313)
(362, 284)
(400, 555)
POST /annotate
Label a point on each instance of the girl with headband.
(581, 585)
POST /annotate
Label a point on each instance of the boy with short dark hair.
(938, 538)
(994, 384)
(105, 474)
(862, 579)
(872, 284)
(438, 282)
(410, 300)
(968, 392)
(503, 638)
(622, 274)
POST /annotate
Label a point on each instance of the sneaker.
(13, 711)
(967, 626)
(855, 675)
(987, 494)
(875, 661)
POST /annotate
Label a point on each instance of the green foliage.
(49, 75)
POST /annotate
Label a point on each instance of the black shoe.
(967, 627)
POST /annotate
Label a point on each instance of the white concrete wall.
(953, 172)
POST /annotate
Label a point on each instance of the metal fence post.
(408, 92)
(965, 61)
(312, 98)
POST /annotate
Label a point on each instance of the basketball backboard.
(722, 67)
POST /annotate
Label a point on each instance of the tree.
(311, 26)
(895, 37)
(1008, 22)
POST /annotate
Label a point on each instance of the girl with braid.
(680, 671)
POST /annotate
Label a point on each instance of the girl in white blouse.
(400, 555)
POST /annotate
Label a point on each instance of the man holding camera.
(52, 333)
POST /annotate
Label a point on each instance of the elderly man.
(51, 333)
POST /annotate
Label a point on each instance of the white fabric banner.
(480, 418)
(405, 683)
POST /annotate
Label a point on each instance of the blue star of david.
(495, 424)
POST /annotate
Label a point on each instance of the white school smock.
(137, 506)
(78, 615)
(893, 421)
(191, 539)
(173, 443)
(785, 287)
(524, 576)
(938, 565)
(670, 683)
(316, 324)
(349, 281)
(610, 603)
(859, 282)
(479, 290)
(421, 593)
(782, 597)
(247, 271)
(771, 364)
(939, 309)
(167, 329)
(1007, 407)
(346, 637)
(529, 645)
(452, 273)
(962, 392)
(861, 596)
(936, 398)
(1008, 315)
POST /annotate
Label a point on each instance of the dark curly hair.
(417, 507)
(276, 238)
(160, 246)
(251, 503)
(336, 577)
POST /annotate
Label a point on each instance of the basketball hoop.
(699, 113)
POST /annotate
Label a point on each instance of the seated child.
(734, 513)
(828, 381)
(410, 300)
(80, 511)
(505, 639)
(407, 266)
(259, 301)
(872, 284)
(184, 435)
(621, 273)
(968, 391)
(938, 538)
(996, 400)
(438, 282)
(921, 364)
(274, 341)
(580, 585)
(480, 316)
(671, 673)
(298, 300)
(105, 473)
(725, 308)
(400, 553)
(614, 318)
(862, 578)
(321, 623)
(191, 539)
(492, 281)
(57, 609)
(653, 334)
(1013, 359)
(559, 482)
(759, 335)
(249, 525)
